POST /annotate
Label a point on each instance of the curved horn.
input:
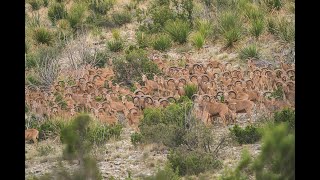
(193, 96)
(171, 79)
(267, 92)
(204, 75)
(183, 79)
(232, 92)
(171, 97)
(190, 77)
(148, 97)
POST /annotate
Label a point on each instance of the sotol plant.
(43, 36)
(56, 12)
(178, 30)
(197, 39)
(161, 42)
(248, 52)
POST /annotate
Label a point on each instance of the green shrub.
(31, 61)
(136, 138)
(33, 80)
(248, 135)
(35, 4)
(230, 26)
(204, 27)
(76, 15)
(231, 37)
(101, 6)
(286, 30)
(137, 58)
(161, 14)
(251, 51)
(253, 13)
(273, 4)
(190, 89)
(161, 42)
(45, 3)
(166, 125)
(56, 12)
(178, 30)
(275, 161)
(142, 39)
(101, 58)
(45, 150)
(120, 18)
(242, 167)
(43, 36)
(197, 39)
(99, 133)
(257, 28)
(192, 162)
(285, 115)
(115, 45)
(164, 174)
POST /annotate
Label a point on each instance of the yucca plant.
(204, 27)
(56, 12)
(197, 39)
(178, 30)
(286, 30)
(251, 51)
(232, 36)
(230, 26)
(161, 42)
(43, 36)
(76, 14)
(253, 12)
(257, 27)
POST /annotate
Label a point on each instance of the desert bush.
(136, 138)
(161, 42)
(43, 36)
(99, 133)
(164, 174)
(45, 3)
(275, 161)
(132, 65)
(142, 39)
(121, 18)
(230, 27)
(285, 115)
(277, 157)
(197, 39)
(190, 89)
(248, 135)
(166, 125)
(242, 167)
(45, 150)
(31, 61)
(160, 15)
(56, 12)
(76, 15)
(35, 4)
(184, 9)
(257, 28)
(191, 162)
(286, 30)
(178, 30)
(32, 79)
(102, 58)
(101, 6)
(204, 27)
(231, 37)
(273, 4)
(116, 44)
(251, 51)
